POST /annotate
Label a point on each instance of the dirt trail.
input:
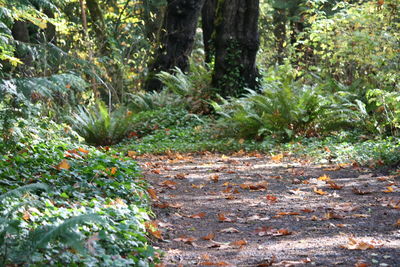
(251, 210)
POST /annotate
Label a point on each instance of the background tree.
(176, 39)
(236, 46)
(208, 25)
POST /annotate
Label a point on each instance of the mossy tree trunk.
(236, 46)
(176, 39)
(208, 21)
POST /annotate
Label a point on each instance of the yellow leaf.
(64, 165)
(131, 154)
(277, 158)
(26, 216)
(319, 191)
(83, 150)
(389, 189)
(241, 141)
(113, 170)
(324, 178)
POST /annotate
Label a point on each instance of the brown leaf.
(238, 243)
(84, 151)
(271, 198)
(229, 230)
(334, 185)
(152, 228)
(152, 193)
(307, 210)
(180, 176)
(360, 192)
(156, 171)
(333, 215)
(211, 263)
(354, 244)
(361, 264)
(169, 184)
(200, 186)
(185, 239)
(214, 178)
(198, 215)
(210, 236)
(263, 231)
(26, 216)
(397, 223)
(223, 218)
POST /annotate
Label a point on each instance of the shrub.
(99, 126)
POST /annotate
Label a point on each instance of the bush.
(99, 126)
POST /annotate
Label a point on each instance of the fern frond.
(23, 189)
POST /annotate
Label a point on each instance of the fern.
(23, 189)
(99, 126)
(43, 236)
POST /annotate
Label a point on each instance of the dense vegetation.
(79, 96)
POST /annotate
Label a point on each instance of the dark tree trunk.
(99, 26)
(50, 31)
(236, 45)
(208, 21)
(176, 39)
(20, 32)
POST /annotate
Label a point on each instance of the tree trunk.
(99, 26)
(176, 39)
(208, 21)
(20, 33)
(236, 45)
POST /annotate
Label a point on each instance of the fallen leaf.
(229, 230)
(152, 193)
(64, 165)
(238, 243)
(319, 191)
(354, 244)
(277, 158)
(113, 170)
(389, 189)
(360, 215)
(211, 263)
(287, 213)
(180, 176)
(156, 171)
(360, 192)
(210, 236)
(185, 239)
(169, 184)
(324, 178)
(165, 205)
(152, 228)
(333, 215)
(398, 223)
(26, 215)
(271, 198)
(83, 150)
(214, 178)
(132, 154)
(307, 210)
(334, 185)
(198, 215)
(200, 186)
(361, 264)
(223, 218)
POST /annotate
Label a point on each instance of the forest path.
(254, 210)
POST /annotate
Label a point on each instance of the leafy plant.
(153, 100)
(99, 126)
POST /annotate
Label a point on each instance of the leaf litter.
(245, 210)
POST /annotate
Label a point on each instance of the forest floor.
(256, 210)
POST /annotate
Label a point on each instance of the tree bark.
(176, 39)
(236, 45)
(99, 25)
(20, 32)
(208, 21)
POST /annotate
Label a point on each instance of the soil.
(256, 210)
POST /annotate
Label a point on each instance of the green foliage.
(144, 123)
(193, 89)
(153, 100)
(92, 212)
(99, 126)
